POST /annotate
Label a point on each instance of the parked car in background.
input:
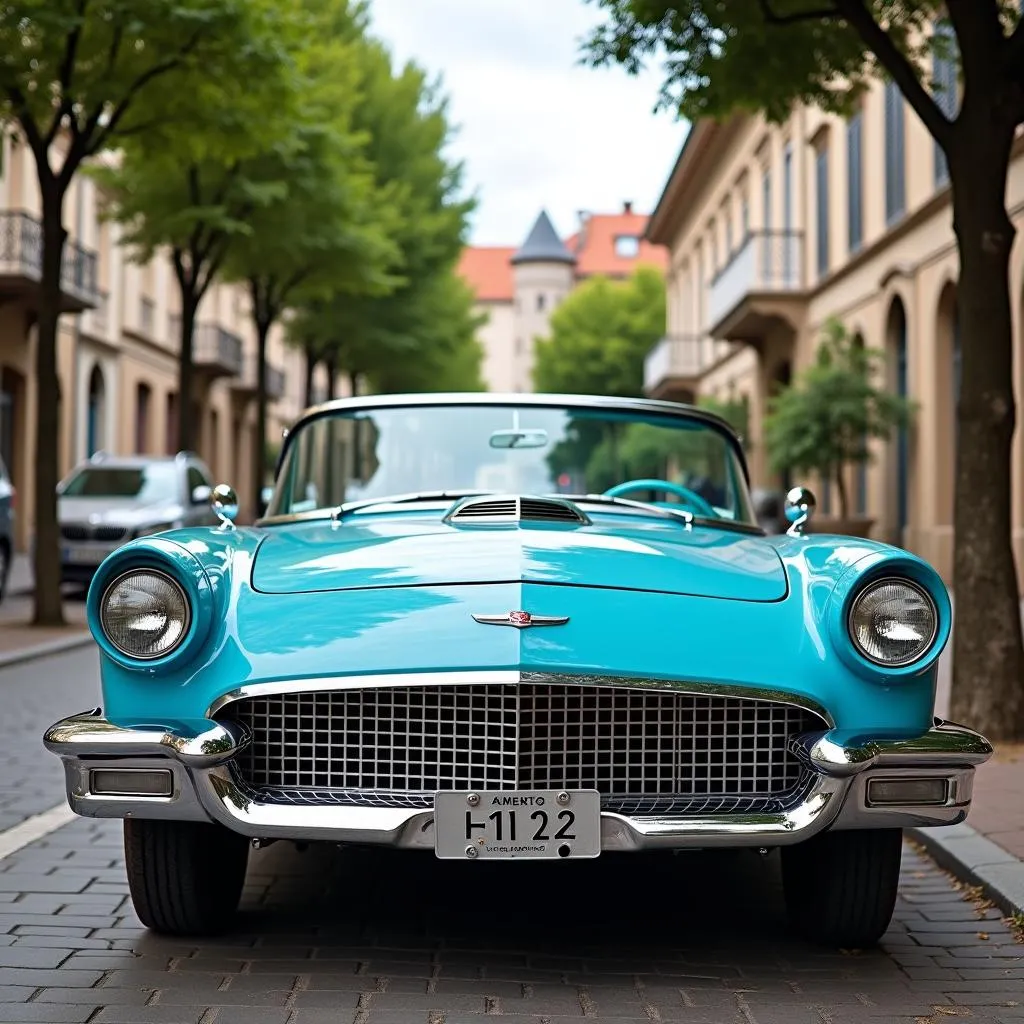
(7, 499)
(609, 654)
(111, 499)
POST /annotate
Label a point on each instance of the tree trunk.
(186, 420)
(308, 383)
(988, 660)
(353, 383)
(260, 440)
(844, 500)
(48, 610)
(332, 374)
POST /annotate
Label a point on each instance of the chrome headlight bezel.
(910, 584)
(166, 577)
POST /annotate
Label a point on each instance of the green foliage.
(722, 56)
(735, 412)
(415, 333)
(825, 421)
(600, 336)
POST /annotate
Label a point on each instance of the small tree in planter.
(824, 422)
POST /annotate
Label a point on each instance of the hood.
(615, 552)
(125, 512)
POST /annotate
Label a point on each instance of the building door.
(95, 412)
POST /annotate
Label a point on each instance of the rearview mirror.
(519, 439)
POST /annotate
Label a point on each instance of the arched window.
(896, 337)
(96, 412)
(143, 403)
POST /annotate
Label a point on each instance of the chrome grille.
(513, 509)
(76, 531)
(641, 748)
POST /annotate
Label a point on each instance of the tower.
(543, 273)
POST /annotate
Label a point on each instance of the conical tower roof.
(543, 245)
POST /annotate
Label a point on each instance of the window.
(143, 395)
(766, 198)
(627, 246)
(196, 479)
(745, 216)
(541, 301)
(787, 188)
(895, 154)
(822, 199)
(854, 182)
(945, 75)
(727, 217)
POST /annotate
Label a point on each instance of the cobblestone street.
(374, 937)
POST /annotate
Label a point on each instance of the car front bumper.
(200, 786)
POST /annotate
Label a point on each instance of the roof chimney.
(627, 206)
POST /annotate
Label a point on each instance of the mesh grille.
(640, 748)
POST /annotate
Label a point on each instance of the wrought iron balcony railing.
(21, 261)
(217, 350)
(767, 262)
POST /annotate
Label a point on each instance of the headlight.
(893, 622)
(145, 614)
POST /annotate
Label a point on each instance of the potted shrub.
(823, 423)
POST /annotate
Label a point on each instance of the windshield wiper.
(645, 506)
(340, 511)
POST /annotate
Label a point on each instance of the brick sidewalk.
(998, 808)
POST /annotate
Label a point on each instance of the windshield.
(145, 484)
(377, 453)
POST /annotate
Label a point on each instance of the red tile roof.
(488, 271)
(594, 246)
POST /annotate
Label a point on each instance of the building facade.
(118, 348)
(518, 289)
(774, 229)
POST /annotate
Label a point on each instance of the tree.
(194, 183)
(75, 80)
(447, 357)
(325, 230)
(730, 55)
(600, 335)
(824, 422)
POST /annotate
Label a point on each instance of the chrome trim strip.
(89, 734)
(841, 753)
(508, 620)
(514, 676)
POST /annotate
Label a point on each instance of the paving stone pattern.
(33, 695)
(381, 937)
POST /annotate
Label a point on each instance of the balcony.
(21, 265)
(760, 288)
(673, 368)
(216, 352)
(244, 385)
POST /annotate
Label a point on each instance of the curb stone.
(977, 860)
(44, 650)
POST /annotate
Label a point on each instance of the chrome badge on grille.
(522, 620)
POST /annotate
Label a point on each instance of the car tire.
(185, 877)
(840, 887)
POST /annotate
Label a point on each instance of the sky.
(534, 129)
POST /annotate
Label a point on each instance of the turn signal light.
(131, 782)
(906, 792)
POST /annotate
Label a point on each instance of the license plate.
(510, 825)
(83, 554)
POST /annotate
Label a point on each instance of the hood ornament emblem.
(521, 620)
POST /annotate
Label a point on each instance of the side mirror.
(201, 494)
(800, 506)
(224, 503)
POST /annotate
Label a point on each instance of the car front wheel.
(840, 887)
(185, 877)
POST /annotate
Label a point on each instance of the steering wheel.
(692, 498)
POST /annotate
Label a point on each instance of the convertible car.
(517, 627)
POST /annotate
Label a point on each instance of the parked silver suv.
(111, 499)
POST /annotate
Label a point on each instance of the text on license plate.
(83, 554)
(511, 824)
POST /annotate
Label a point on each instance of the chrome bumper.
(204, 789)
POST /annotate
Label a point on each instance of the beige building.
(774, 229)
(117, 357)
(518, 289)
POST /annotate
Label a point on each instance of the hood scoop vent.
(513, 509)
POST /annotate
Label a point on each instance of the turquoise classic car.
(517, 627)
